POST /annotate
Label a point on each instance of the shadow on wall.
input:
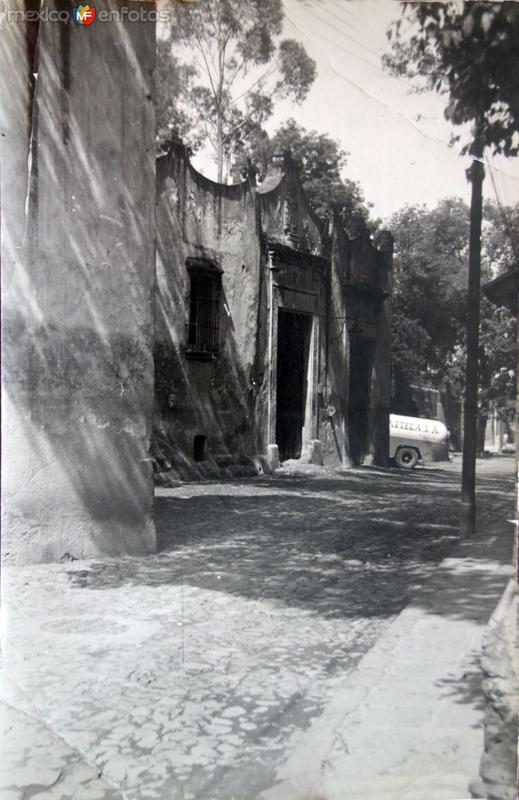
(77, 315)
(212, 397)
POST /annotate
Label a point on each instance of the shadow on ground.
(466, 689)
(349, 544)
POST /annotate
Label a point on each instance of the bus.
(413, 440)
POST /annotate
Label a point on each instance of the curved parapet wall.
(285, 214)
(278, 301)
(203, 421)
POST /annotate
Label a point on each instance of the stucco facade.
(297, 364)
(141, 296)
(78, 274)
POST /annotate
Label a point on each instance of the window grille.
(204, 309)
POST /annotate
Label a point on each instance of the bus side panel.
(429, 451)
(440, 451)
(400, 441)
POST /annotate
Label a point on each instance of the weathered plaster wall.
(78, 276)
(199, 218)
(500, 667)
(381, 381)
(335, 387)
(268, 244)
(295, 278)
(285, 214)
(359, 311)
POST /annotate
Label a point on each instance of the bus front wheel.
(406, 458)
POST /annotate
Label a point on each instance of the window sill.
(199, 355)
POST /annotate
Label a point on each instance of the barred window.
(204, 308)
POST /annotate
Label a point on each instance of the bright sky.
(398, 141)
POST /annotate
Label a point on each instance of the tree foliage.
(322, 161)
(469, 51)
(175, 112)
(429, 294)
(430, 302)
(501, 237)
(238, 66)
(497, 361)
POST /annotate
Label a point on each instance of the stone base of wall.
(205, 471)
(312, 453)
(500, 666)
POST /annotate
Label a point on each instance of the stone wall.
(90, 309)
(500, 667)
(358, 375)
(196, 396)
(380, 396)
(78, 242)
(267, 247)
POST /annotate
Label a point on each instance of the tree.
(496, 367)
(175, 115)
(240, 66)
(429, 306)
(322, 161)
(428, 294)
(500, 238)
(471, 52)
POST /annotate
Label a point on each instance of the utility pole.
(468, 474)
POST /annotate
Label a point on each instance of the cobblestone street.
(189, 674)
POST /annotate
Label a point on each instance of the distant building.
(504, 291)
(271, 340)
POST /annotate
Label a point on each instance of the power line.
(341, 6)
(345, 35)
(376, 66)
(370, 96)
(337, 16)
(357, 86)
(341, 19)
(350, 52)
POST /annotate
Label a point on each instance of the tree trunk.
(468, 475)
(219, 94)
(219, 146)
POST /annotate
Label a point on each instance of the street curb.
(502, 608)
(391, 711)
(497, 778)
(18, 709)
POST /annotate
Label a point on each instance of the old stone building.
(264, 337)
(272, 340)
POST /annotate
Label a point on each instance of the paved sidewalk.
(407, 723)
(35, 762)
(272, 649)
